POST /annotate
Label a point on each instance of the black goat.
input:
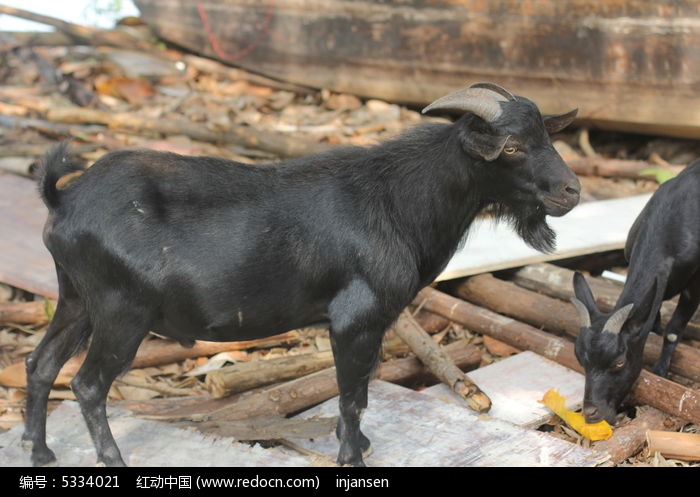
(204, 248)
(663, 251)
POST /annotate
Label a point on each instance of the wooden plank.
(515, 386)
(142, 443)
(24, 261)
(589, 228)
(626, 65)
(410, 429)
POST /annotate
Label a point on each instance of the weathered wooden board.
(515, 386)
(625, 65)
(410, 429)
(589, 228)
(143, 443)
(24, 261)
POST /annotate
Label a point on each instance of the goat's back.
(666, 234)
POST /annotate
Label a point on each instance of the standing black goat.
(204, 248)
(663, 250)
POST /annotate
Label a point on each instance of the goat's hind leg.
(687, 305)
(114, 344)
(67, 333)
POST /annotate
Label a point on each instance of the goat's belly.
(235, 325)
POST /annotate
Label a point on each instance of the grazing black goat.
(205, 248)
(663, 251)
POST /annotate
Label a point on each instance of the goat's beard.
(530, 223)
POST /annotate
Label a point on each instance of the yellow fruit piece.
(593, 431)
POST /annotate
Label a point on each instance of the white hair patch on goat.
(671, 337)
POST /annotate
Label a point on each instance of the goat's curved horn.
(583, 314)
(483, 99)
(614, 323)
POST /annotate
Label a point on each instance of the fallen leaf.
(133, 90)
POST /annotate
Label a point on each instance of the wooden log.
(295, 395)
(439, 363)
(25, 312)
(158, 352)
(674, 445)
(525, 305)
(248, 375)
(649, 388)
(558, 282)
(276, 143)
(560, 317)
(12, 40)
(629, 439)
(615, 168)
(90, 36)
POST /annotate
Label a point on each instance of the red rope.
(214, 41)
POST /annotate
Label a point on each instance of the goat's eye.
(510, 150)
(619, 364)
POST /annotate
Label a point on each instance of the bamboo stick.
(674, 445)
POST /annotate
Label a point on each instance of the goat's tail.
(55, 171)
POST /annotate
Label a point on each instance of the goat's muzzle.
(558, 205)
(595, 413)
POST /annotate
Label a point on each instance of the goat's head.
(525, 178)
(609, 347)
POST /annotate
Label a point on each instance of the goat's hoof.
(365, 444)
(44, 459)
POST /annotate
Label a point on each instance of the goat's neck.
(433, 199)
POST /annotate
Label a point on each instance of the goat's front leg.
(356, 334)
(110, 353)
(687, 305)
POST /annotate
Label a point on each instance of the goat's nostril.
(590, 413)
(571, 190)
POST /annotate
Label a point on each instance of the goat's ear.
(643, 314)
(483, 145)
(554, 124)
(584, 295)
